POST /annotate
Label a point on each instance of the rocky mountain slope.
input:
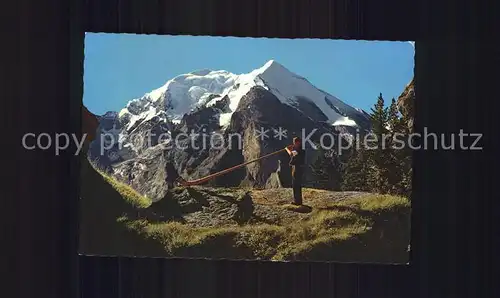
(226, 112)
(406, 102)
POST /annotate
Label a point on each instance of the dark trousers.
(297, 173)
(170, 185)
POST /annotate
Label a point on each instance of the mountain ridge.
(203, 88)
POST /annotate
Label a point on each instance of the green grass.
(129, 194)
(324, 227)
(376, 203)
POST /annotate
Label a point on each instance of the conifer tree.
(386, 167)
(377, 154)
(393, 117)
(325, 170)
(355, 169)
(399, 154)
(393, 153)
(379, 116)
(404, 159)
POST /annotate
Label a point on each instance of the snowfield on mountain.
(187, 92)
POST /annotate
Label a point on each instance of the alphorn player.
(297, 162)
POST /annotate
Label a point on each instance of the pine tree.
(386, 169)
(398, 158)
(404, 158)
(379, 117)
(355, 170)
(392, 154)
(325, 170)
(378, 157)
(393, 117)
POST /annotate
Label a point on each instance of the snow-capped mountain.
(270, 96)
(204, 88)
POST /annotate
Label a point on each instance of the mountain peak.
(271, 67)
(272, 64)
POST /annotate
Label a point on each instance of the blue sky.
(121, 67)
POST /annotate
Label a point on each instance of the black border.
(453, 207)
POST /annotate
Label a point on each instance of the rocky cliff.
(406, 102)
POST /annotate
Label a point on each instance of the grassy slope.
(103, 201)
(371, 228)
